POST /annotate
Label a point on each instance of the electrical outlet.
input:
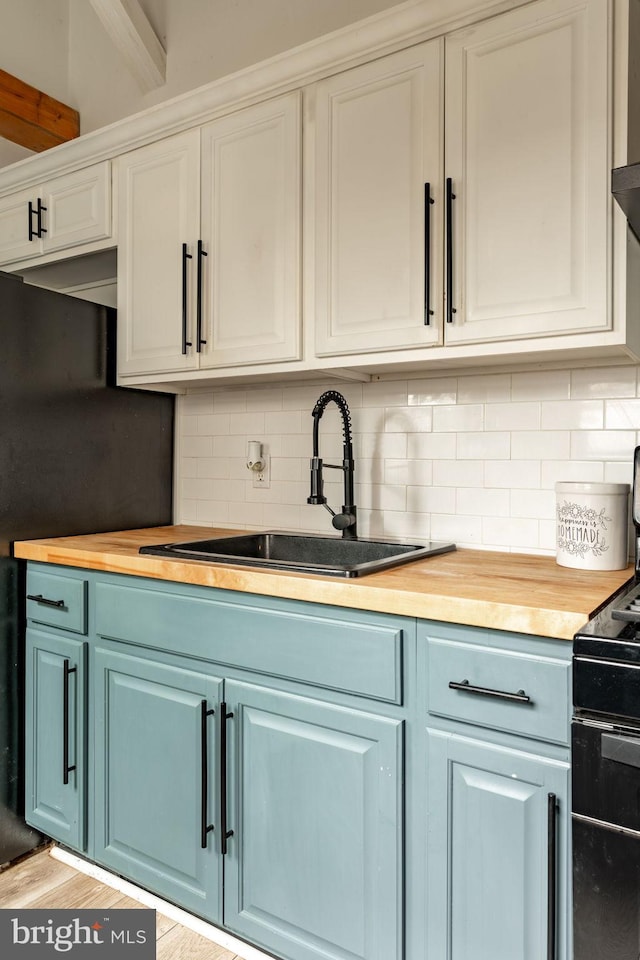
(262, 478)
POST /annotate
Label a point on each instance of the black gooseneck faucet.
(346, 520)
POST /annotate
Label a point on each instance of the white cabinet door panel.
(378, 140)
(159, 210)
(526, 147)
(251, 210)
(78, 207)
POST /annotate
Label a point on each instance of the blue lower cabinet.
(498, 820)
(157, 778)
(314, 864)
(55, 776)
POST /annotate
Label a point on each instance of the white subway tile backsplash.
(541, 385)
(513, 416)
(285, 422)
(540, 504)
(472, 502)
(602, 444)
(573, 471)
(230, 401)
(540, 444)
(458, 473)
(196, 446)
(408, 419)
(426, 392)
(213, 424)
(250, 424)
(572, 415)
(483, 446)
(431, 446)
(407, 472)
(450, 419)
(509, 533)
(471, 459)
(383, 393)
(603, 382)
(622, 414)
(507, 474)
(485, 388)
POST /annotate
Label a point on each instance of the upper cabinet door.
(159, 213)
(251, 213)
(526, 149)
(378, 141)
(19, 238)
(78, 207)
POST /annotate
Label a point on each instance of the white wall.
(471, 459)
(61, 47)
(204, 40)
(34, 48)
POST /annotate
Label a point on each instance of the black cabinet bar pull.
(32, 233)
(224, 833)
(185, 256)
(45, 601)
(449, 244)
(205, 828)
(41, 209)
(552, 829)
(428, 313)
(199, 341)
(66, 769)
(519, 697)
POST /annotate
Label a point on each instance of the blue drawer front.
(57, 600)
(358, 653)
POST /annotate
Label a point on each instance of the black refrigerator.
(77, 455)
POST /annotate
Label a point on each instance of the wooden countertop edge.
(363, 594)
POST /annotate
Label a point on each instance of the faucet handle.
(342, 521)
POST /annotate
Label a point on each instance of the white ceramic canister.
(592, 525)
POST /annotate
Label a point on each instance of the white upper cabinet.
(526, 148)
(61, 213)
(250, 229)
(513, 142)
(209, 248)
(370, 266)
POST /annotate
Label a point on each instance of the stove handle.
(620, 749)
(552, 818)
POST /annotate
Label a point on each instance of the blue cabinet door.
(157, 766)
(55, 775)
(488, 851)
(315, 804)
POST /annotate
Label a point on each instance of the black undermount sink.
(302, 552)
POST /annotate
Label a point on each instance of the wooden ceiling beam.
(33, 119)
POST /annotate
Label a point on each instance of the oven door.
(606, 841)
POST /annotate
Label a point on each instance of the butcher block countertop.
(503, 591)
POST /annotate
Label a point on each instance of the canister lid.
(600, 489)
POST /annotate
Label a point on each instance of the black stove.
(605, 774)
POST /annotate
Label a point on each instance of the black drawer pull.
(45, 601)
(224, 832)
(185, 256)
(428, 201)
(552, 832)
(66, 768)
(519, 697)
(205, 828)
(450, 197)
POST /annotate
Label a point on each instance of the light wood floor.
(42, 881)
